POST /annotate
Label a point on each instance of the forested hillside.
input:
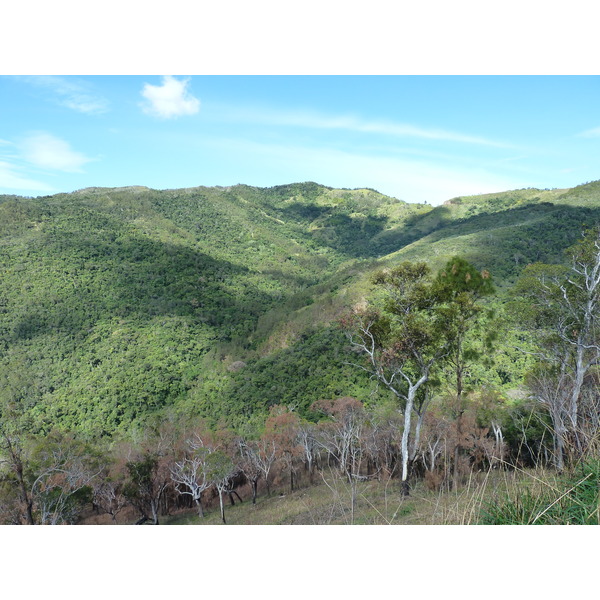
(158, 345)
(116, 303)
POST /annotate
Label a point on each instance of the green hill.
(117, 302)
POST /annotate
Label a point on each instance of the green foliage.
(311, 369)
(119, 303)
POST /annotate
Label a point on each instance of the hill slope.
(115, 303)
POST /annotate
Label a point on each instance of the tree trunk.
(455, 473)
(198, 502)
(254, 486)
(405, 437)
(222, 507)
(155, 513)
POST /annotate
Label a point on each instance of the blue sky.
(417, 138)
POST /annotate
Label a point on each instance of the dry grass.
(378, 503)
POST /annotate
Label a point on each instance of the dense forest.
(165, 351)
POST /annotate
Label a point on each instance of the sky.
(419, 138)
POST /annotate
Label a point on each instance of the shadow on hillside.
(351, 236)
(88, 276)
(505, 242)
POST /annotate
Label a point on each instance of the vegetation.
(162, 350)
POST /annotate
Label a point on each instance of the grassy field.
(377, 503)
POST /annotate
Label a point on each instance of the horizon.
(420, 139)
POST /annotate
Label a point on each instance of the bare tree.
(265, 455)
(191, 474)
(250, 464)
(108, 494)
(63, 469)
(561, 307)
(308, 442)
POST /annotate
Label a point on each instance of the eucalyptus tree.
(191, 474)
(221, 469)
(560, 306)
(402, 342)
(420, 326)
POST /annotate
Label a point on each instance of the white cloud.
(49, 152)
(411, 180)
(10, 180)
(590, 133)
(72, 93)
(315, 120)
(171, 99)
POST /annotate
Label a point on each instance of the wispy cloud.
(50, 152)
(71, 93)
(590, 133)
(410, 180)
(169, 100)
(12, 180)
(313, 120)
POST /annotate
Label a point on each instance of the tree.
(148, 481)
(53, 476)
(308, 442)
(18, 393)
(108, 494)
(264, 453)
(65, 468)
(281, 428)
(461, 287)
(250, 464)
(191, 474)
(560, 305)
(220, 471)
(403, 342)
(13, 455)
(344, 437)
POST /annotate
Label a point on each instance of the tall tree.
(461, 287)
(403, 342)
(560, 305)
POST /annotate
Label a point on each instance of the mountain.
(118, 302)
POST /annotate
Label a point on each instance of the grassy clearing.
(376, 503)
(496, 497)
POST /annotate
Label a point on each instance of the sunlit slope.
(500, 232)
